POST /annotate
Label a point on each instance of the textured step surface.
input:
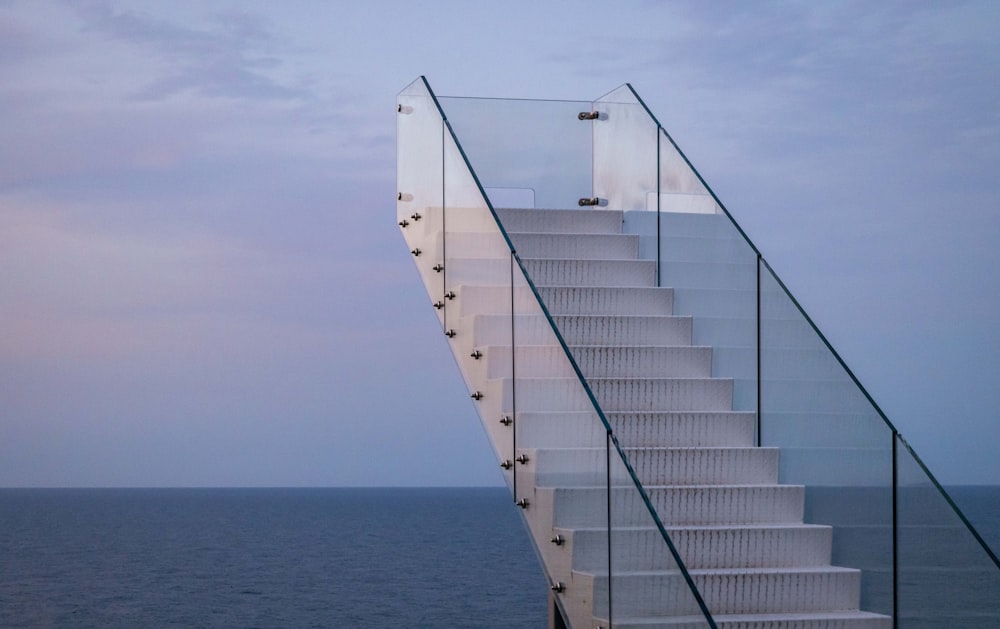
(744, 591)
(562, 300)
(576, 246)
(663, 394)
(681, 429)
(541, 360)
(825, 620)
(678, 506)
(591, 272)
(752, 546)
(495, 329)
(561, 221)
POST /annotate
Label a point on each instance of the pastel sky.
(201, 278)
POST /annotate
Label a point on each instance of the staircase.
(685, 456)
(740, 533)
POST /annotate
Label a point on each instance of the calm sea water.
(266, 558)
(303, 558)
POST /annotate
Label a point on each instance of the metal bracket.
(591, 201)
(589, 115)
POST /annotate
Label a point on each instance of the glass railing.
(921, 561)
(605, 550)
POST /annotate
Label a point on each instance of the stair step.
(650, 361)
(591, 272)
(692, 505)
(681, 429)
(822, 620)
(582, 467)
(625, 330)
(561, 221)
(495, 329)
(752, 546)
(575, 246)
(618, 394)
(745, 591)
(629, 301)
(535, 361)
(663, 394)
(704, 466)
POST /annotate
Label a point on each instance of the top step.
(561, 221)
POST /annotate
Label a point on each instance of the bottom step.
(828, 620)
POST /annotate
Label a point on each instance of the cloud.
(232, 56)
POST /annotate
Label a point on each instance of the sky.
(201, 278)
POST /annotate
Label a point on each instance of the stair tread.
(787, 616)
(804, 570)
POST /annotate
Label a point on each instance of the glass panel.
(646, 580)
(625, 140)
(946, 578)
(419, 177)
(832, 441)
(526, 150)
(477, 300)
(712, 270)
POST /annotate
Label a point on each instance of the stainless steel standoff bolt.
(557, 540)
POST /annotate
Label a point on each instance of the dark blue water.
(266, 558)
(389, 558)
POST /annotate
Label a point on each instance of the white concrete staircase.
(740, 534)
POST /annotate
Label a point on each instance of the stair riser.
(608, 301)
(684, 429)
(540, 361)
(680, 506)
(561, 221)
(699, 466)
(591, 272)
(575, 246)
(748, 593)
(618, 331)
(587, 467)
(644, 362)
(534, 329)
(663, 394)
(637, 550)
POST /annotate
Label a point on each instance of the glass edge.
(944, 493)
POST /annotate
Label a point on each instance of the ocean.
(266, 558)
(283, 557)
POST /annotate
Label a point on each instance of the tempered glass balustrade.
(887, 512)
